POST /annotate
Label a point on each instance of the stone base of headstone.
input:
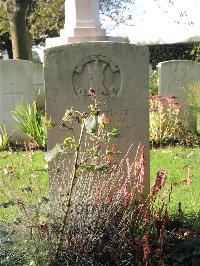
(64, 39)
(119, 74)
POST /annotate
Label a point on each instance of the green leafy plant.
(4, 138)
(153, 83)
(193, 101)
(104, 199)
(166, 126)
(31, 122)
(195, 52)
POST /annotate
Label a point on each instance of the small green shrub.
(153, 83)
(193, 93)
(195, 52)
(4, 138)
(31, 122)
(166, 125)
(193, 96)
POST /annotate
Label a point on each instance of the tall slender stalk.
(74, 176)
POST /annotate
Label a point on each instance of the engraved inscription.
(178, 75)
(122, 120)
(100, 74)
(180, 80)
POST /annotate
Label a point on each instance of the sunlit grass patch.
(21, 170)
(23, 179)
(180, 163)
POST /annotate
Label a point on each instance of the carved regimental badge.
(100, 74)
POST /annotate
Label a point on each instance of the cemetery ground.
(172, 225)
(22, 171)
(24, 177)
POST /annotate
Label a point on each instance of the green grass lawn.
(179, 162)
(21, 170)
(19, 173)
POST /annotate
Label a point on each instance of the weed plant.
(153, 83)
(31, 122)
(98, 211)
(193, 101)
(166, 124)
(4, 138)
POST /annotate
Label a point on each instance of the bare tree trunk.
(21, 44)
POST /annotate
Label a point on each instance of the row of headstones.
(176, 76)
(24, 79)
(118, 72)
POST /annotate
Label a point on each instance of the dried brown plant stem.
(74, 176)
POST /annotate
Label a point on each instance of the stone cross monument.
(82, 24)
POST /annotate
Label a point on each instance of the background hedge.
(174, 51)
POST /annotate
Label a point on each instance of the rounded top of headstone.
(177, 62)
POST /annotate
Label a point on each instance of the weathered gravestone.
(118, 72)
(175, 77)
(14, 86)
(18, 83)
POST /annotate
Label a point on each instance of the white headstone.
(15, 85)
(175, 77)
(119, 74)
(20, 81)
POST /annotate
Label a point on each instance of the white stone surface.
(82, 13)
(38, 84)
(175, 76)
(119, 74)
(19, 81)
(82, 24)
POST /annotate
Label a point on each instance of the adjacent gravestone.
(118, 72)
(175, 77)
(38, 84)
(16, 85)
